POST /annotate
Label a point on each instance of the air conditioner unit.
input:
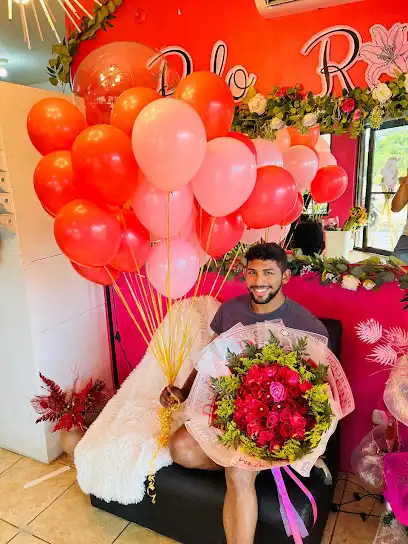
(270, 9)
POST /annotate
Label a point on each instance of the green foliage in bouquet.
(311, 401)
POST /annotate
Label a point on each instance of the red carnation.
(286, 430)
(348, 105)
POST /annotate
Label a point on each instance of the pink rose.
(357, 115)
(348, 105)
(278, 391)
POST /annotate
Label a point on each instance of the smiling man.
(266, 274)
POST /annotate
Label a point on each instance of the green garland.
(260, 116)
(59, 66)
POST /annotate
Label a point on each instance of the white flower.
(310, 120)
(257, 104)
(406, 83)
(350, 282)
(331, 277)
(306, 269)
(276, 123)
(382, 93)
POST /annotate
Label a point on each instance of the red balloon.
(212, 99)
(245, 140)
(272, 199)
(103, 275)
(218, 235)
(87, 234)
(295, 213)
(128, 106)
(54, 181)
(309, 139)
(104, 165)
(329, 184)
(53, 124)
(134, 243)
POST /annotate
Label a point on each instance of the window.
(383, 159)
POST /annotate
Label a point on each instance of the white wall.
(54, 319)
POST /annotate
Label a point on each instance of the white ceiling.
(28, 66)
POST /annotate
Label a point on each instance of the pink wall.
(346, 152)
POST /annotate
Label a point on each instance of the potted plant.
(339, 241)
(71, 411)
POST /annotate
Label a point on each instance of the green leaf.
(111, 6)
(52, 62)
(118, 2)
(53, 81)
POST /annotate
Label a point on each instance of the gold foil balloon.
(112, 69)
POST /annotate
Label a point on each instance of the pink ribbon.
(293, 523)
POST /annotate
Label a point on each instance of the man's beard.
(268, 299)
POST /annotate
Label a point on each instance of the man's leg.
(240, 506)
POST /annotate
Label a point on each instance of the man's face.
(264, 280)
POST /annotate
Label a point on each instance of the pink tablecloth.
(330, 302)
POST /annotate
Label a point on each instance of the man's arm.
(183, 393)
(401, 198)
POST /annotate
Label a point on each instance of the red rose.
(292, 377)
(286, 430)
(272, 420)
(264, 438)
(303, 409)
(298, 421)
(348, 105)
(305, 386)
(257, 392)
(281, 92)
(285, 415)
(271, 371)
(259, 409)
(294, 392)
(310, 423)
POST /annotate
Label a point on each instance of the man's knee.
(183, 448)
(240, 479)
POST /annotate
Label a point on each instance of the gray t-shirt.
(238, 310)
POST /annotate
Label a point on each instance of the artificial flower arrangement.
(70, 409)
(261, 116)
(358, 218)
(275, 403)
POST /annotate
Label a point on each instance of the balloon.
(310, 139)
(104, 165)
(295, 213)
(128, 106)
(251, 236)
(54, 181)
(326, 159)
(113, 68)
(226, 177)
(87, 234)
(169, 143)
(282, 140)
(272, 199)
(163, 214)
(203, 257)
(322, 146)
(302, 162)
(329, 184)
(53, 124)
(189, 226)
(211, 98)
(268, 153)
(183, 263)
(103, 275)
(245, 140)
(218, 235)
(134, 243)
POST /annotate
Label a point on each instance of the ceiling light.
(3, 72)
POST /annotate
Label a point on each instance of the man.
(308, 236)
(266, 273)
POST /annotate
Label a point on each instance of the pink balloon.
(169, 142)
(203, 257)
(326, 159)
(282, 140)
(322, 146)
(302, 163)
(226, 178)
(189, 226)
(268, 153)
(251, 236)
(183, 264)
(154, 208)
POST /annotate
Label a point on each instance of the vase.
(339, 243)
(69, 441)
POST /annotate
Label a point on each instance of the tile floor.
(57, 512)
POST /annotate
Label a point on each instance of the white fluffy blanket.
(113, 458)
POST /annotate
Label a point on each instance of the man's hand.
(168, 394)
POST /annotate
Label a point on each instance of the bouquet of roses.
(274, 404)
